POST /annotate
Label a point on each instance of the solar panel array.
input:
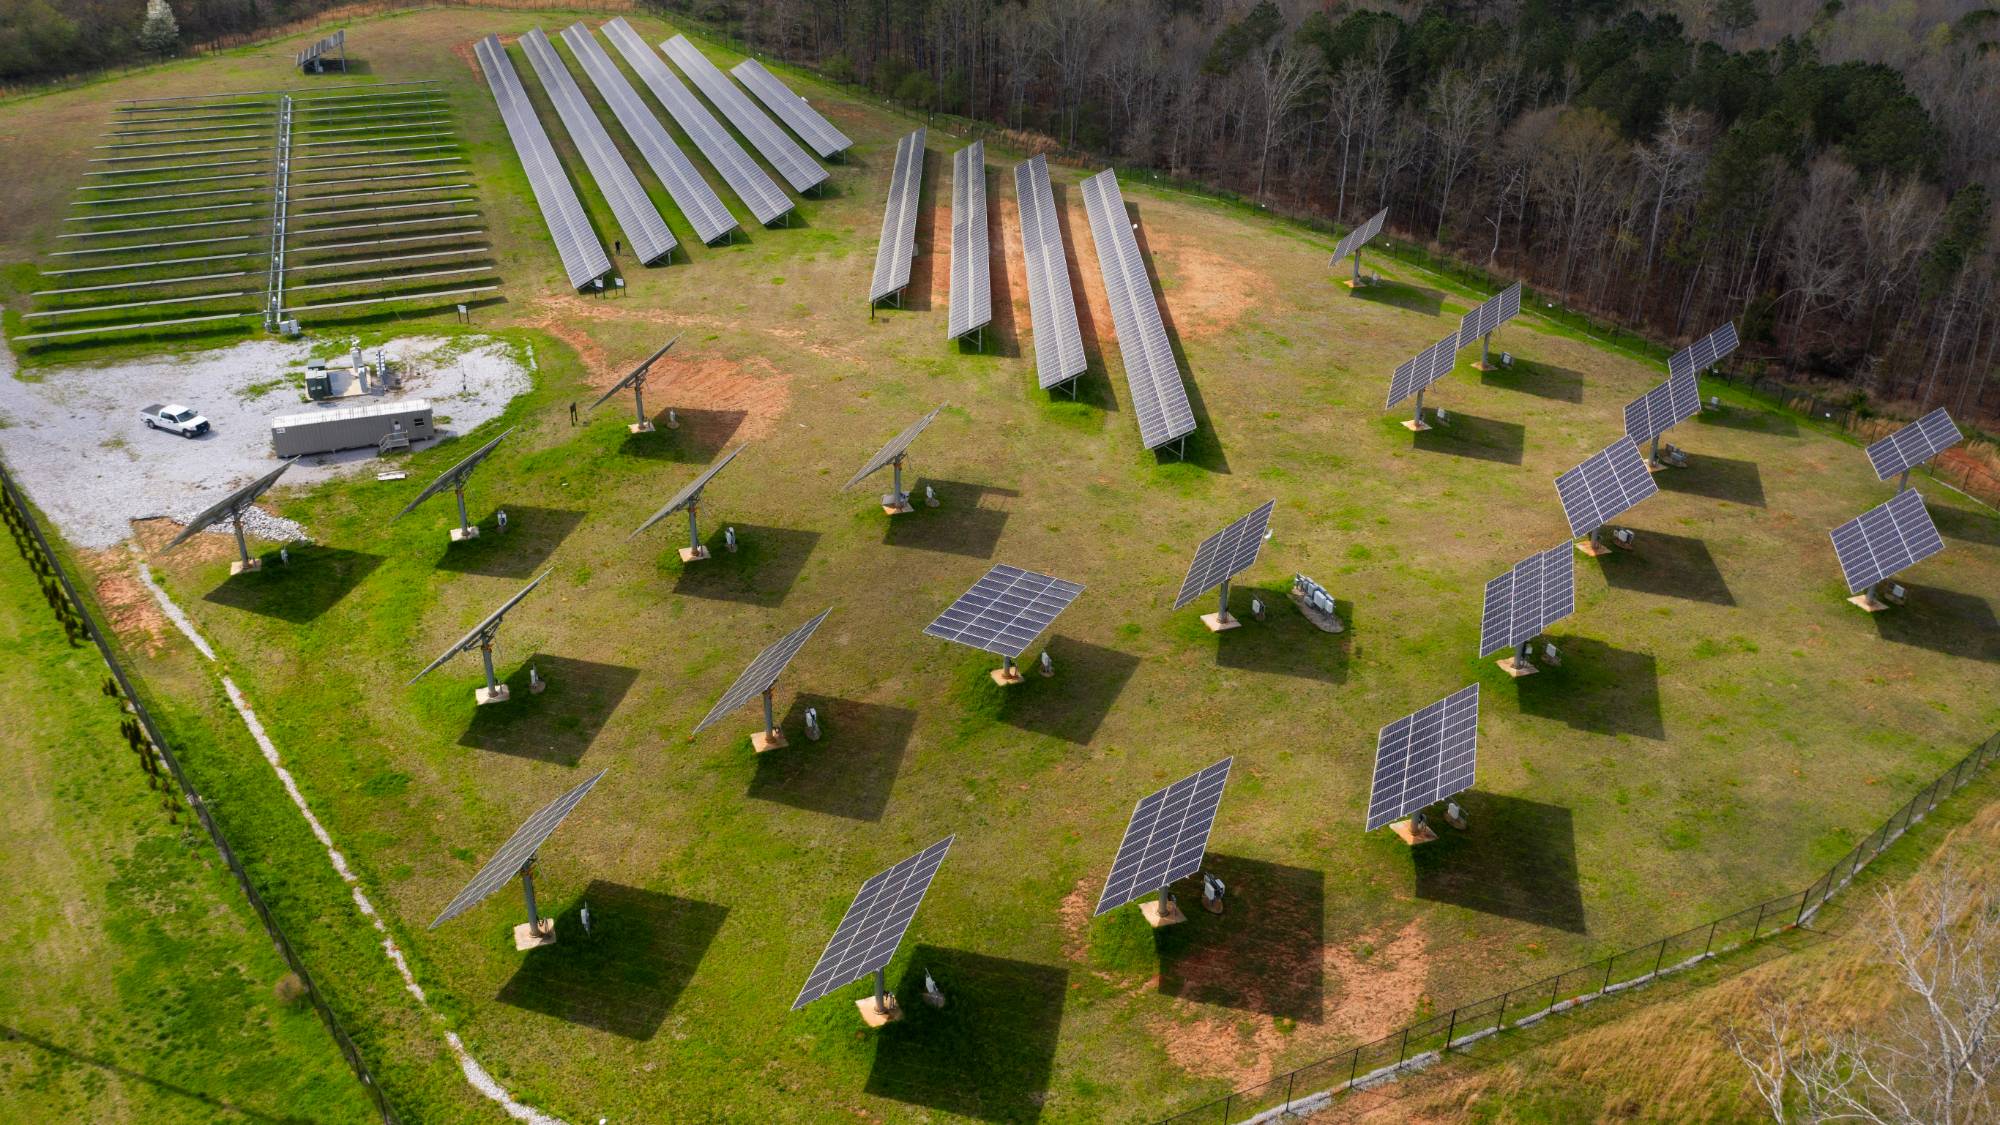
(1423, 369)
(1360, 236)
(1166, 837)
(971, 256)
(1059, 355)
(479, 633)
(874, 924)
(767, 202)
(1604, 484)
(704, 210)
(1225, 554)
(1425, 757)
(228, 505)
(1887, 538)
(516, 853)
(452, 477)
(644, 229)
(792, 109)
(763, 671)
(1914, 444)
(799, 170)
(894, 449)
(1705, 352)
(690, 493)
(1539, 591)
(1663, 407)
(1151, 374)
(1491, 314)
(309, 59)
(583, 257)
(899, 220)
(1004, 611)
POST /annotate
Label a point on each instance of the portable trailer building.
(329, 429)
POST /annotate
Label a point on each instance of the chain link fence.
(14, 506)
(1314, 1086)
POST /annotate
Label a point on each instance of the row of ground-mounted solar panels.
(639, 220)
(174, 228)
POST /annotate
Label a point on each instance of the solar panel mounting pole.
(882, 1005)
(466, 529)
(1220, 621)
(244, 561)
(770, 738)
(1486, 352)
(1903, 482)
(897, 503)
(493, 692)
(537, 931)
(694, 551)
(639, 424)
(1356, 283)
(1416, 423)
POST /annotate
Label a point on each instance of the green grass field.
(1723, 725)
(140, 985)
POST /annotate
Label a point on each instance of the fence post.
(1449, 1029)
(1354, 1068)
(1610, 963)
(1404, 1046)
(1500, 1019)
(1710, 943)
(1289, 1079)
(1759, 924)
(1555, 989)
(1661, 959)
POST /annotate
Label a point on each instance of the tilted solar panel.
(1360, 236)
(971, 256)
(899, 220)
(1885, 539)
(229, 505)
(1004, 611)
(483, 632)
(874, 924)
(583, 257)
(895, 448)
(1705, 352)
(1914, 444)
(1663, 407)
(711, 220)
(1425, 757)
(1489, 315)
(1152, 375)
(1423, 369)
(763, 671)
(1059, 355)
(516, 853)
(1166, 837)
(1225, 554)
(691, 492)
(792, 109)
(1604, 484)
(1539, 591)
(799, 170)
(766, 201)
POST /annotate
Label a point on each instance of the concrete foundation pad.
(693, 554)
(1592, 548)
(1006, 677)
(893, 507)
(461, 534)
(1517, 667)
(1353, 284)
(241, 567)
(1158, 914)
(878, 1017)
(1414, 426)
(1485, 366)
(528, 937)
(1413, 833)
(1869, 602)
(639, 428)
(768, 740)
(1220, 622)
(498, 693)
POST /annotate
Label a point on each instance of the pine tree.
(161, 33)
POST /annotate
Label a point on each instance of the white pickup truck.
(173, 418)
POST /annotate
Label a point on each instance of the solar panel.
(1887, 538)
(899, 220)
(1152, 376)
(897, 445)
(799, 170)
(1166, 837)
(481, 633)
(873, 926)
(1004, 611)
(792, 109)
(229, 505)
(971, 257)
(1663, 407)
(1914, 444)
(638, 374)
(1705, 352)
(583, 257)
(1059, 355)
(517, 853)
(689, 494)
(1225, 554)
(763, 671)
(454, 476)
(1604, 484)
(766, 201)
(1425, 757)
(690, 192)
(644, 229)
(1539, 591)
(1360, 236)
(1423, 369)
(1490, 315)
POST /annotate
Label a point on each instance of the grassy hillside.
(1723, 725)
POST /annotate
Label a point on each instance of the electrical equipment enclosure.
(329, 430)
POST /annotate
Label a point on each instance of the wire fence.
(1316, 1085)
(75, 614)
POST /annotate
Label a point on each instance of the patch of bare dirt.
(465, 54)
(1240, 1049)
(1211, 293)
(1010, 288)
(153, 534)
(1075, 915)
(1376, 994)
(749, 397)
(133, 613)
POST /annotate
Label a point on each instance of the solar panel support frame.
(637, 381)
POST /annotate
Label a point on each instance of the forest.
(1825, 175)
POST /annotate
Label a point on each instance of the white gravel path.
(73, 436)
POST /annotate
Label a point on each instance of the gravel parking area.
(73, 436)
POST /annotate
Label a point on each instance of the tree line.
(1831, 190)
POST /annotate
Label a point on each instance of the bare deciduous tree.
(1459, 116)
